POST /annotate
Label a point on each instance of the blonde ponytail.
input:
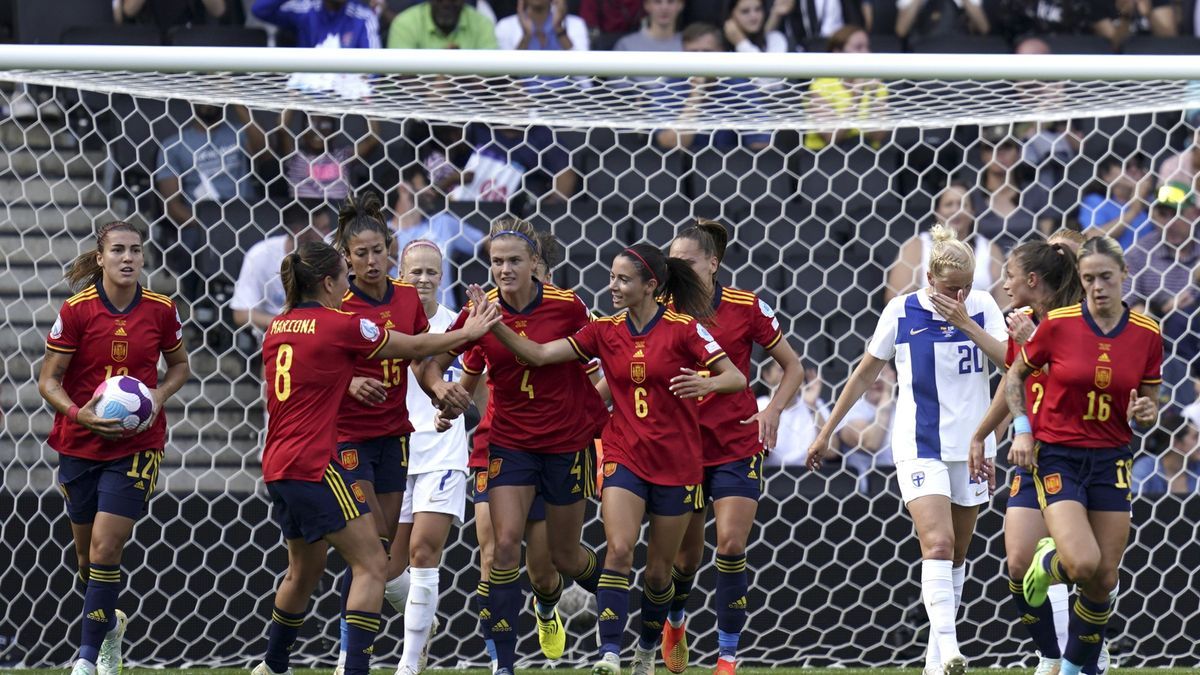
(949, 254)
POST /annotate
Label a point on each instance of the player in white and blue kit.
(941, 339)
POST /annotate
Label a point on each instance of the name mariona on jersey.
(308, 326)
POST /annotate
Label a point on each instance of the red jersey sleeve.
(473, 362)
(764, 325)
(586, 341)
(65, 333)
(1010, 353)
(172, 330)
(1153, 372)
(362, 336)
(1036, 352)
(701, 344)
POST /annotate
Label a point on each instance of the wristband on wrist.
(1021, 425)
(73, 413)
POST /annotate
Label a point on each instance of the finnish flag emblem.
(918, 478)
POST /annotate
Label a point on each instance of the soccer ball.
(127, 399)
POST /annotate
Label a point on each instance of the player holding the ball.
(104, 348)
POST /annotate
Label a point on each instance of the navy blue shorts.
(313, 509)
(661, 500)
(1021, 491)
(740, 478)
(1099, 479)
(382, 462)
(121, 487)
(479, 495)
(561, 479)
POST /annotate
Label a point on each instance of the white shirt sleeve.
(577, 30)
(250, 289)
(883, 343)
(776, 42)
(508, 32)
(831, 17)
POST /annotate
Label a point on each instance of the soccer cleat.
(931, 670)
(109, 660)
(264, 669)
(675, 647)
(339, 670)
(1104, 660)
(405, 670)
(609, 664)
(725, 667)
(955, 665)
(1048, 666)
(552, 636)
(1037, 579)
(503, 671)
(423, 657)
(82, 667)
(643, 661)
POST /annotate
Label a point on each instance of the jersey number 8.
(283, 374)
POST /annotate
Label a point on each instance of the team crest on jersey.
(57, 329)
(1016, 486)
(1103, 377)
(494, 467)
(369, 330)
(1053, 483)
(481, 482)
(358, 493)
(609, 469)
(120, 350)
(637, 372)
(918, 478)
(350, 459)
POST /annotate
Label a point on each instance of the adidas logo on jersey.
(1092, 639)
(740, 603)
(97, 615)
(1029, 619)
(485, 614)
(608, 615)
(501, 627)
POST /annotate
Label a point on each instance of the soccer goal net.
(825, 170)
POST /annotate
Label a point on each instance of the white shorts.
(442, 491)
(921, 477)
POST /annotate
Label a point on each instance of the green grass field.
(691, 671)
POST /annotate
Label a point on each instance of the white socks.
(418, 614)
(938, 593)
(933, 655)
(396, 591)
(1060, 599)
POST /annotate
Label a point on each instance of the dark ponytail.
(1056, 265)
(303, 270)
(710, 236)
(362, 213)
(677, 282)
(84, 270)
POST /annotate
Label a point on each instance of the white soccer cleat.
(1105, 660)
(264, 669)
(82, 667)
(643, 661)
(932, 670)
(1048, 666)
(423, 658)
(109, 660)
(955, 665)
(405, 670)
(339, 670)
(609, 664)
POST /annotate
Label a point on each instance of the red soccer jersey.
(103, 343)
(1035, 384)
(543, 410)
(652, 432)
(741, 321)
(309, 355)
(401, 311)
(1091, 374)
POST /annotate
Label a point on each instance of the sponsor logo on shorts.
(358, 493)
(494, 467)
(350, 459)
(481, 481)
(609, 469)
(1053, 483)
(918, 478)
(980, 490)
(1016, 486)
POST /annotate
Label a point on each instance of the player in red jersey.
(539, 441)
(1038, 277)
(373, 424)
(310, 352)
(1104, 371)
(734, 435)
(111, 326)
(652, 458)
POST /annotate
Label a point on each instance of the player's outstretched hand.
(476, 295)
(104, 427)
(1020, 327)
(691, 384)
(817, 451)
(953, 310)
(1021, 452)
(368, 390)
(451, 397)
(1141, 409)
(481, 319)
(768, 426)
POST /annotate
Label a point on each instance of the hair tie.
(532, 246)
(645, 264)
(417, 243)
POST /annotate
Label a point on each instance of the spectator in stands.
(258, 293)
(507, 162)
(800, 421)
(420, 213)
(343, 24)
(1009, 205)
(611, 17)
(660, 32)
(745, 27)
(1177, 470)
(697, 95)
(319, 165)
(866, 431)
(1016, 18)
(837, 97)
(929, 18)
(166, 14)
(441, 24)
(1116, 203)
(208, 160)
(805, 20)
(1181, 167)
(953, 209)
(542, 25)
